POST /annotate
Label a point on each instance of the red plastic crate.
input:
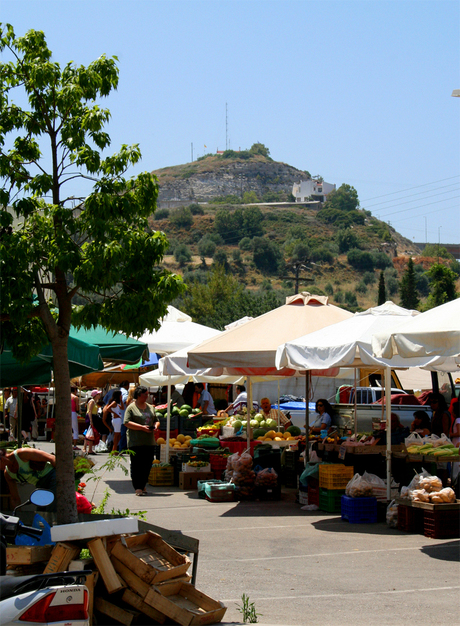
(410, 519)
(162, 433)
(440, 524)
(313, 494)
(218, 464)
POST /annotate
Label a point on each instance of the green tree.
(435, 250)
(182, 254)
(408, 288)
(345, 198)
(249, 197)
(267, 255)
(382, 296)
(259, 148)
(442, 285)
(181, 217)
(346, 239)
(206, 246)
(65, 245)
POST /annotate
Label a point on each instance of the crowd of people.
(125, 418)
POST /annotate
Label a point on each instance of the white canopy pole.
(356, 408)
(168, 419)
(279, 405)
(388, 425)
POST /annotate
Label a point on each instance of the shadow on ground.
(449, 551)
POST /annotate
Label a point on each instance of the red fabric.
(423, 397)
(400, 399)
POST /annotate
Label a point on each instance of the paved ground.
(300, 567)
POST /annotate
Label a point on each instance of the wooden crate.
(185, 605)
(189, 480)
(151, 558)
(26, 555)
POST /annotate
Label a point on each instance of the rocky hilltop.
(216, 175)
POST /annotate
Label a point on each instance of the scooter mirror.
(42, 497)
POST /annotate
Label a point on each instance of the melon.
(186, 407)
(271, 423)
(259, 432)
(294, 430)
(237, 424)
(271, 434)
(181, 438)
(175, 411)
(160, 441)
(263, 424)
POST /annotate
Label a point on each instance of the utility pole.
(226, 127)
(297, 267)
(192, 151)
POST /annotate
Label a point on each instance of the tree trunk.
(65, 494)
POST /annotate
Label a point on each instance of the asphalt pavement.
(301, 567)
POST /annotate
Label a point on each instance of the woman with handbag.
(90, 436)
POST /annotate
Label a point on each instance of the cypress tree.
(382, 290)
(408, 288)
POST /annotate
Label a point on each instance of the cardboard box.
(191, 468)
(189, 480)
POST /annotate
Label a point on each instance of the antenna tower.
(226, 127)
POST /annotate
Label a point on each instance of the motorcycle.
(57, 599)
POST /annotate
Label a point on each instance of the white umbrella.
(435, 334)
(349, 343)
(177, 331)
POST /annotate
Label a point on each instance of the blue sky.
(357, 91)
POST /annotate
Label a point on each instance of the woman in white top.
(114, 410)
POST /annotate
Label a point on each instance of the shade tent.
(433, 334)
(177, 331)
(83, 358)
(251, 348)
(349, 343)
(114, 347)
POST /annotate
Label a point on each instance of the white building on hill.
(311, 190)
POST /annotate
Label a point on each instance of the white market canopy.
(176, 331)
(433, 335)
(251, 347)
(345, 344)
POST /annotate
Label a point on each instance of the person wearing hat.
(90, 412)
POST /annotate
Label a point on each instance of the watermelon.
(260, 432)
(183, 413)
(186, 407)
(175, 411)
(294, 430)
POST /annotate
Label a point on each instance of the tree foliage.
(99, 246)
(242, 222)
(382, 296)
(221, 299)
(408, 288)
(442, 285)
(267, 255)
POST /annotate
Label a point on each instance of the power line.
(420, 206)
(411, 196)
(410, 188)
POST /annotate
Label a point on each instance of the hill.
(236, 210)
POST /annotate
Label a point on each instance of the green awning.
(83, 358)
(114, 347)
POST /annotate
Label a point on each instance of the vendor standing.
(28, 465)
(205, 401)
(140, 420)
(324, 418)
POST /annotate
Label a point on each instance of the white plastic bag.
(392, 514)
(414, 439)
(358, 487)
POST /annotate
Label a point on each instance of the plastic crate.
(290, 458)
(201, 484)
(410, 519)
(304, 499)
(335, 476)
(173, 422)
(440, 524)
(161, 476)
(330, 500)
(162, 433)
(218, 464)
(313, 493)
(190, 423)
(267, 493)
(223, 492)
(359, 510)
(289, 478)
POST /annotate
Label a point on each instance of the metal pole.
(168, 419)
(388, 425)
(249, 407)
(307, 418)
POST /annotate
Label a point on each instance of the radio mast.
(226, 127)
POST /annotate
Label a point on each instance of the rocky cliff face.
(204, 180)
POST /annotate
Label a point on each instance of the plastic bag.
(311, 471)
(358, 487)
(414, 439)
(374, 480)
(267, 477)
(243, 462)
(392, 514)
(309, 507)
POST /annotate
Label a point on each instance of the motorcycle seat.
(10, 585)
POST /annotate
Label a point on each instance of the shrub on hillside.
(181, 217)
(161, 214)
(182, 254)
(196, 209)
(361, 260)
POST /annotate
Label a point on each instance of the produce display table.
(437, 521)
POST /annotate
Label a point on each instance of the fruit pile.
(181, 442)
